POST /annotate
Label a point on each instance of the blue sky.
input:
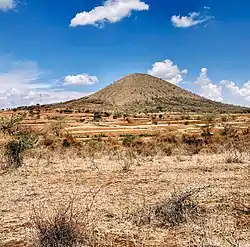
(48, 53)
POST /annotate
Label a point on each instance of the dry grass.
(129, 190)
(234, 156)
(61, 229)
(53, 178)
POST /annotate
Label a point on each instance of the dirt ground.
(82, 125)
(53, 179)
(117, 187)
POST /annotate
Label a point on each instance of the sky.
(53, 51)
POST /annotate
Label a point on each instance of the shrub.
(144, 148)
(209, 118)
(58, 230)
(206, 133)
(169, 137)
(15, 148)
(193, 143)
(57, 118)
(229, 131)
(68, 141)
(192, 140)
(106, 114)
(67, 111)
(128, 140)
(167, 149)
(27, 138)
(48, 142)
(10, 125)
(54, 129)
(93, 147)
(224, 118)
(171, 212)
(146, 135)
(175, 211)
(185, 117)
(97, 117)
(117, 115)
(234, 156)
(14, 153)
(246, 131)
(99, 137)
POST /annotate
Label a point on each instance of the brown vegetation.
(145, 185)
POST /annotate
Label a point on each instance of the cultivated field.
(84, 179)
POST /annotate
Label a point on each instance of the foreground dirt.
(119, 186)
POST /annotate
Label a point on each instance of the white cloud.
(240, 92)
(207, 88)
(226, 91)
(7, 4)
(81, 79)
(21, 84)
(15, 98)
(112, 11)
(192, 19)
(166, 70)
(21, 75)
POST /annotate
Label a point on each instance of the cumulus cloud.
(191, 20)
(207, 88)
(7, 4)
(81, 79)
(240, 92)
(22, 83)
(112, 11)
(166, 70)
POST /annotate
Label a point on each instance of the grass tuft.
(62, 229)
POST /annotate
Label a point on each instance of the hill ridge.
(146, 93)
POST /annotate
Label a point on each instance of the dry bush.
(14, 154)
(15, 148)
(54, 129)
(246, 131)
(128, 140)
(229, 131)
(234, 156)
(170, 212)
(10, 125)
(171, 137)
(66, 227)
(68, 141)
(129, 158)
(145, 148)
(178, 209)
(97, 117)
(209, 117)
(241, 211)
(193, 143)
(206, 133)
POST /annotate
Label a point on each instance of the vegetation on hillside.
(145, 93)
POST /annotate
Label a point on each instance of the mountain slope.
(142, 92)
